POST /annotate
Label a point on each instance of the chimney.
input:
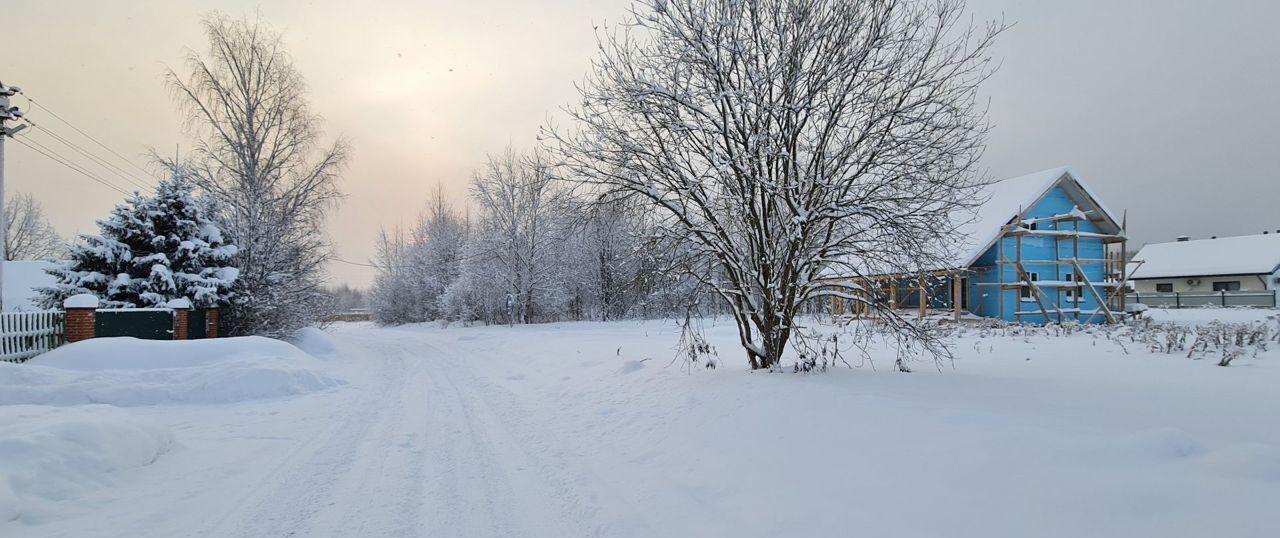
(1182, 238)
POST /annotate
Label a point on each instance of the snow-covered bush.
(152, 249)
(1227, 341)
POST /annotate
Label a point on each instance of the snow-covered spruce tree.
(152, 249)
(787, 138)
(258, 153)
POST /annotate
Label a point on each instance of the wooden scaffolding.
(1109, 294)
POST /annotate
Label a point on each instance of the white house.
(1200, 268)
(21, 280)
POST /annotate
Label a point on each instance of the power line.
(337, 259)
(68, 164)
(89, 155)
(86, 135)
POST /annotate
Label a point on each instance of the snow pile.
(313, 341)
(51, 454)
(133, 372)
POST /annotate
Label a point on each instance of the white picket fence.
(26, 334)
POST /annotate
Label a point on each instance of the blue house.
(1041, 248)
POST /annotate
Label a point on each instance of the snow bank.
(133, 372)
(51, 454)
(313, 341)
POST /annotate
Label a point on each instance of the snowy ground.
(582, 430)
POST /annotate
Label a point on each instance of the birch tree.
(258, 152)
(788, 140)
(28, 233)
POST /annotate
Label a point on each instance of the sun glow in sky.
(1164, 107)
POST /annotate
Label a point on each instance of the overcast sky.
(1167, 109)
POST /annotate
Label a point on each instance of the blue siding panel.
(1036, 250)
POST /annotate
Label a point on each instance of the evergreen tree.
(152, 249)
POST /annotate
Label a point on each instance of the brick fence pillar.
(81, 317)
(181, 308)
(211, 323)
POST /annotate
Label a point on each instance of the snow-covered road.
(424, 449)
(583, 429)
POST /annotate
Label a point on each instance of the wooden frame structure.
(1048, 303)
(1083, 287)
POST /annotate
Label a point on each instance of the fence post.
(181, 307)
(1224, 298)
(81, 317)
(1177, 300)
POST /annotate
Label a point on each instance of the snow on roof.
(1008, 198)
(21, 278)
(977, 230)
(1242, 255)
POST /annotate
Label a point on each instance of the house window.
(1166, 287)
(1072, 292)
(1227, 285)
(1026, 290)
(1035, 225)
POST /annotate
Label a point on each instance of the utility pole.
(7, 113)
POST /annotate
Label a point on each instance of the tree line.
(527, 248)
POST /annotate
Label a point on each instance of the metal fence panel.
(144, 323)
(1265, 299)
(197, 323)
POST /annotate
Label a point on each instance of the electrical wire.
(53, 156)
(86, 135)
(119, 172)
(348, 262)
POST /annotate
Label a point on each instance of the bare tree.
(518, 228)
(28, 233)
(788, 140)
(415, 268)
(258, 152)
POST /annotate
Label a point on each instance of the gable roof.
(1242, 255)
(977, 229)
(1008, 198)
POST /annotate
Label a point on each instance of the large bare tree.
(28, 233)
(259, 152)
(788, 140)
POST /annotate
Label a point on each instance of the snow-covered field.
(582, 429)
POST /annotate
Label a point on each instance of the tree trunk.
(773, 344)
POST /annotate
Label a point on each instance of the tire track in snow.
(534, 497)
(305, 491)
(427, 449)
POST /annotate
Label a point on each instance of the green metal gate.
(197, 323)
(147, 324)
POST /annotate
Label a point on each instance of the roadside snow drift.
(133, 372)
(54, 454)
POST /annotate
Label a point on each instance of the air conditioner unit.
(1193, 282)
